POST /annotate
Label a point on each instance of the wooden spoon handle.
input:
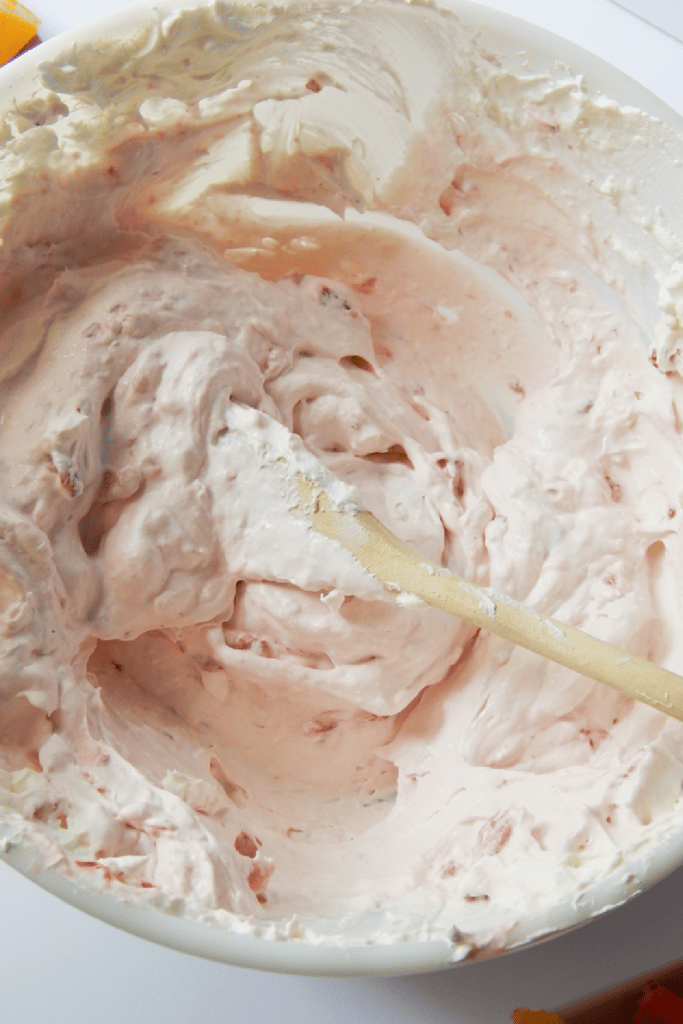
(403, 572)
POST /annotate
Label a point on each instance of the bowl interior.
(528, 48)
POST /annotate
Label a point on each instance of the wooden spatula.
(413, 579)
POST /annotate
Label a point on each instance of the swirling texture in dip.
(431, 279)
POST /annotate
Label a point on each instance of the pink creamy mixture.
(206, 706)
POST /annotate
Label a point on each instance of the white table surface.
(59, 965)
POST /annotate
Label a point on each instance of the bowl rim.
(212, 942)
(17, 80)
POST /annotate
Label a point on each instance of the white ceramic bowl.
(516, 40)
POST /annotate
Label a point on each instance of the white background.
(60, 966)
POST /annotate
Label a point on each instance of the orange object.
(658, 1005)
(525, 1016)
(17, 27)
(652, 998)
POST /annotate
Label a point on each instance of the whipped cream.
(443, 286)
